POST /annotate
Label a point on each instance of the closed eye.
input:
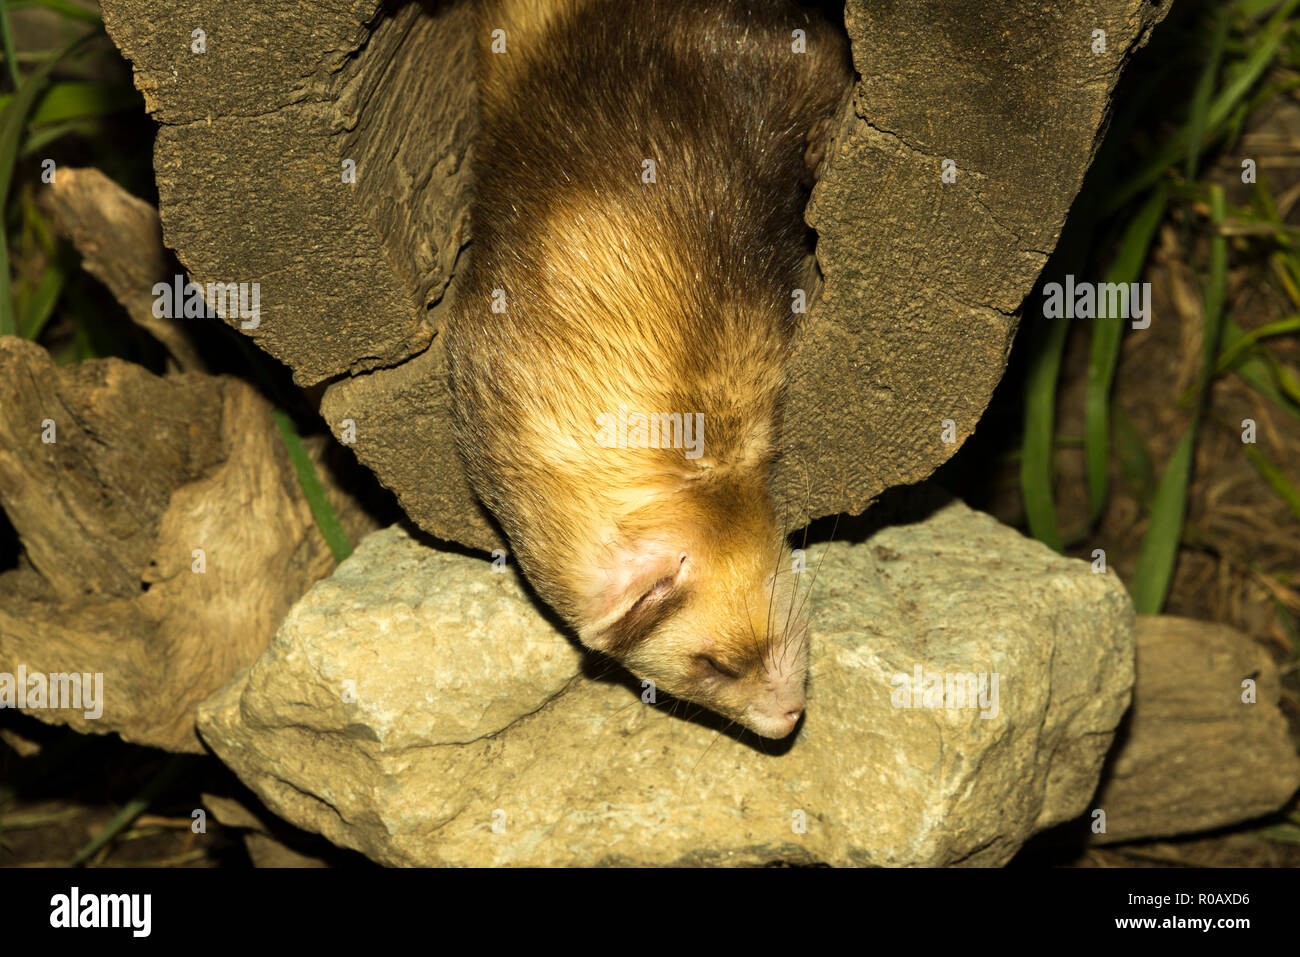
(716, 669)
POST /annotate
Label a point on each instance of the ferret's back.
(582, 101)
(640, 183)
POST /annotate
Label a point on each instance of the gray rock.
(472, 737)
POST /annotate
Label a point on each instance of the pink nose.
(794, 716)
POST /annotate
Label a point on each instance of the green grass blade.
(1257, 374)
(1159, 551)
(1276, 478)
(1231, 355)
(1286, 382)
(1256, 371)
(1254, 9)
(1266, 44)
(1134, 462)
(39, 307)
(13, 119)
(1106, 335)
(8, 325)
(1199, 118)
(65, 8)
(1280, 834)
(7, 39)
(78, 99)
(37, 140)
(1215, 287)
(171, 772)
(1039, 423)
(321, 509)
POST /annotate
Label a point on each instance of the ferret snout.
(776, 712)
(773, 726)
(777, 724)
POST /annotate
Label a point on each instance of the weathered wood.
(120, 241)
(923, 278)
(143, 473)
(1206, 744)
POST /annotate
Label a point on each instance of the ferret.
(617, 347)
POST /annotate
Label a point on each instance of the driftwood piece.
(923, 278)
(164, 536)
(120, 241)
(1206, 744)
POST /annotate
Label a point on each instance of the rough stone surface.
(923, 279)
(417, 707)
(1194, 753)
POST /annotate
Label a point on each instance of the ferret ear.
(629, 586)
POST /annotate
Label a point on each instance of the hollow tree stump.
(264, 117)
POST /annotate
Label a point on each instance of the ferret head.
(696, 593)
